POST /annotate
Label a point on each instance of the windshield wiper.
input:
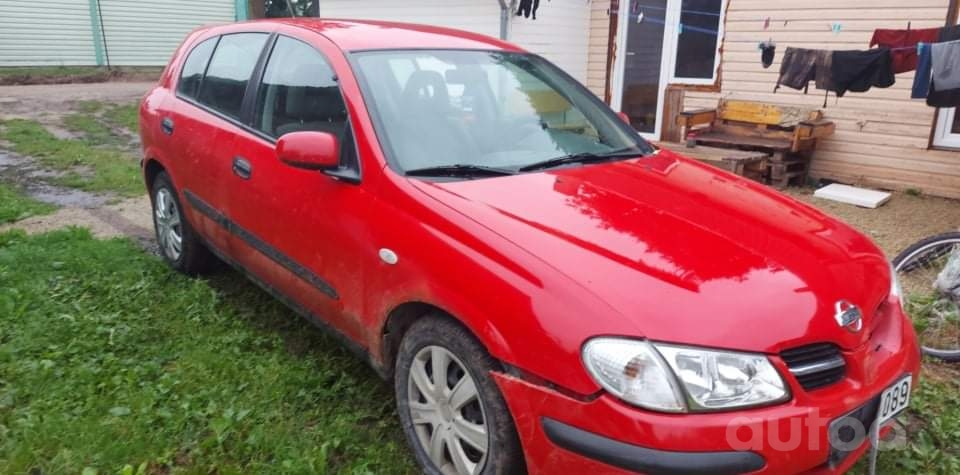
(460, 170)
(586, 157)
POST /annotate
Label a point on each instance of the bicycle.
(929, 274)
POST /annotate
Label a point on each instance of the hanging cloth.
(768, 51)
(921, 81)
(800, 66)
(797, 69)
(938, 97)
(945, 62)
(902, 44)
(528, 8)
(860, 70)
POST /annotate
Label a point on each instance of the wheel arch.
(151, 168)
(403, 315)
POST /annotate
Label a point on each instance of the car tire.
(446, 422)
(180, 246)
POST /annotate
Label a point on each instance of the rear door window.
(229, 72)
(193, 68)
(299, 92)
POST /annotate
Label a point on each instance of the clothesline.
(934, 53)
(683, 27)
(682, 11)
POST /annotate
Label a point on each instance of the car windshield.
(486, 112)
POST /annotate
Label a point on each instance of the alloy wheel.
(447, 414)
(166, 217)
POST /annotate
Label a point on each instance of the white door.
(662, 42)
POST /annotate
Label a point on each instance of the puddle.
(24, 172)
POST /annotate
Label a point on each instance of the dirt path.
(104, 214)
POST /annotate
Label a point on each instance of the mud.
(103, 213)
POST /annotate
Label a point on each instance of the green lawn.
(111, 363)
(86, 163)
(14, 206)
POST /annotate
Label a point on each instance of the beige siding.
(882, 135)
(599, 34)
(557, 34)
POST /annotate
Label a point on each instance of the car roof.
(354, 35)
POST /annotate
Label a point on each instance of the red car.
(547, 291)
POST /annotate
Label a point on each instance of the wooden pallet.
(745, 163)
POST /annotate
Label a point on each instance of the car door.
(202, 122)
(302, 231)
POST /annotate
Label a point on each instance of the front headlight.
(717, 380)
(674, 378)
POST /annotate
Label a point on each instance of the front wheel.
(929, 273)
(451, 410)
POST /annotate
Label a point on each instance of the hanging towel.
(921, 81)
(939, 97)
(902, 44)
(797, 69)
(858, 71)
(945, 60)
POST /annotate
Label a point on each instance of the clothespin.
(640, 16)
(836, 27)
(766, 23)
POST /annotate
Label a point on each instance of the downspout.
(505, 10)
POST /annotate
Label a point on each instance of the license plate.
(894, 400)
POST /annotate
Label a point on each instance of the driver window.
(299, 92)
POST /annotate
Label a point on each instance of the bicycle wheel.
(929, 274)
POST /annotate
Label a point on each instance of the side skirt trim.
(260, 245)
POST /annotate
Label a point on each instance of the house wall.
(46, 32)
(598, 39)
(130, 32)
(882, 135)
(139, 33)
(557, 33)
(472, 15)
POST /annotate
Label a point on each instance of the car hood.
(685, 253)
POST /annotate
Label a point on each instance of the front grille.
(815, 366)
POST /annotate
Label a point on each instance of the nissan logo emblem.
(849, 316)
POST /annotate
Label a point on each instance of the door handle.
(166, 125)
(242, 168)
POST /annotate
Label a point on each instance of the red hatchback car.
(546, 291)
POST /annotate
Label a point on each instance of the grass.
(71, 74)
(103, 123)
(15, 206)
(84, 165)
(111, 363)
(50, 70)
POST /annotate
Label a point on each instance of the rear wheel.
(452, 412)
(929, 273)
(180, 246)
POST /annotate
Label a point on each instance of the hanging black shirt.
(858, 71)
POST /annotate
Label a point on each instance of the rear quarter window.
(193, 68)
(229, 72)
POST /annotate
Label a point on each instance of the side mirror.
(309, 150)
(624, 117)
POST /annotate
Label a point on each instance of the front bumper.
(565, 434)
